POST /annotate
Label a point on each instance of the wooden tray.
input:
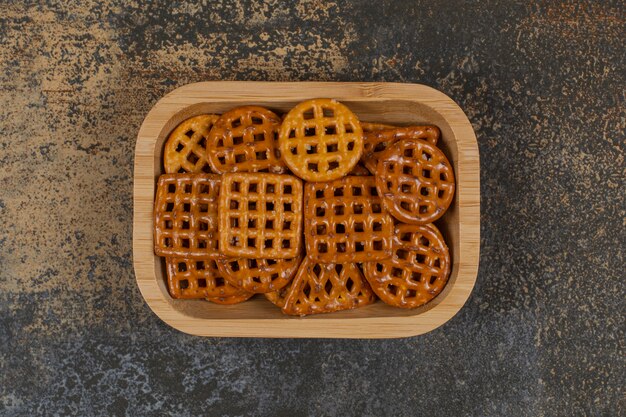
(378, 102)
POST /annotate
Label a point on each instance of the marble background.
(543, 332)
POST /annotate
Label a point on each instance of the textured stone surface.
(542, 334)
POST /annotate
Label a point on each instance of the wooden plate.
(377, 102)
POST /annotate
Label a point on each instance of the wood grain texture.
(391, 103)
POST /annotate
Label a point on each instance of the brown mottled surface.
(543, 333)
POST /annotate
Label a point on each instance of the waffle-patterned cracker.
(321, 140)
(259, 275)
(185, 149)
(185, 216)
(324, 288)
(345, 221)
(377, 141)
(415, 180)
(418, 270)
(244, 139)
(260, 216)
(188, 279)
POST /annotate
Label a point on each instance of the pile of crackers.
(316, 210)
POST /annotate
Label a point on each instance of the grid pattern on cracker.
(244, 139)
(195, 278)
(185, 149)
(321, 140)
(345, 221)
(324, 288)
(415, 180)
(377, 141)
(418, 270)
(259, 275)
(260, 215)
(185, 212)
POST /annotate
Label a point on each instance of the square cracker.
(185, 216)
(260, 215)
(345, 221)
